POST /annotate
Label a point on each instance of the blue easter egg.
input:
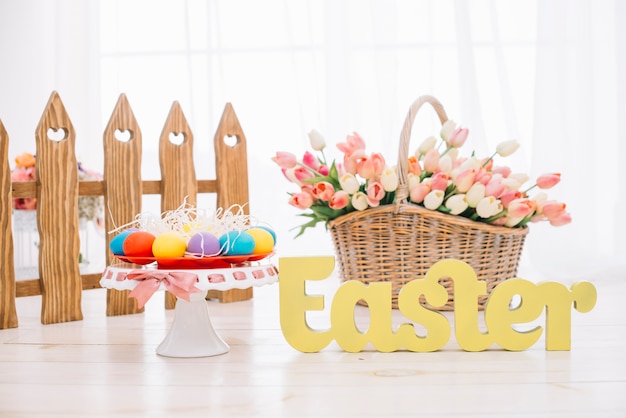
(237, 243)
(117, 243)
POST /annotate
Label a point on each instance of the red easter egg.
(138, 244)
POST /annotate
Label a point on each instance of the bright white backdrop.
(547, 73)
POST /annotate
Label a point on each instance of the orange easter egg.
(138, 244)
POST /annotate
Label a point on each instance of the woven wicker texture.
(398, 243)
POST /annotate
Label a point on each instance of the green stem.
(489, 159)
(529, 189)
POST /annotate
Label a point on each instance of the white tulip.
(457, 204)
(426, 145)
(511, 183)
(475, 194)
(317, 140)
(453, 153)
(434, 199)
(389, 179)
(413, 180)
(511, 222)
(359, 201)
(506, 148)
(445, 164)
(470, 163)
(349, 183)
(446, 130)
(520, 177)
(488, 206)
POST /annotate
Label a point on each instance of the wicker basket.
(400, 242)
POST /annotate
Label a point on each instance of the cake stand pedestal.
(191, 333)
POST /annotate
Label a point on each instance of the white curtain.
(547, 73)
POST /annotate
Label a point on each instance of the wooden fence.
(58, 187)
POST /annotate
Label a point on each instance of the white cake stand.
(191, 333)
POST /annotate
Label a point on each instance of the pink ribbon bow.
(181, 284)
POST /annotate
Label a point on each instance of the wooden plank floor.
(107, 366)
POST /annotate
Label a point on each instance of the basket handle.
(405, 137)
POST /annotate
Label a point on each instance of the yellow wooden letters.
(499, 318)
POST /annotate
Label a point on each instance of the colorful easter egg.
(203, 243)
(138, 244)
(237, 243)
(270, 230)
(263, 240)
(169, 245)
(117, 242)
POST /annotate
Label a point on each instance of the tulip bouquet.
(439, 179)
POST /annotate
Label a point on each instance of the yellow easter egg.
(263, 239)
(169, 245)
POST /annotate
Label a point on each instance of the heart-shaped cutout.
(230, 140)
(177, 138)
(56, 135)
(123, 136)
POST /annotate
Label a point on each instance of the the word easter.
(498, 316)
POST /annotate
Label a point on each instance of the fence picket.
(8, 315)
(57, 216)
(123, 188)
(178, 176)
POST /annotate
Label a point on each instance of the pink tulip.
(501, 221)
(310, 161)
(353, 144)
(431, 161)
(508, 197)
(487, 164)
(521, 208)
(349, 165)
(301, 174)
(562, 219)
(419, 192)
(323, 170)
(547, 181)
(483, 176)
(307, 188)
(375, 192)
(552, 209)
(458, 137)
(301, 200)
(323, 191)
(464, 180)
(289, 175)
(339, 200)
(494, 188)
(285, 159)
(439, 181)
(502, 170)
(371, 167)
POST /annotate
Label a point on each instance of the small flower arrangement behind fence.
(90, 208)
